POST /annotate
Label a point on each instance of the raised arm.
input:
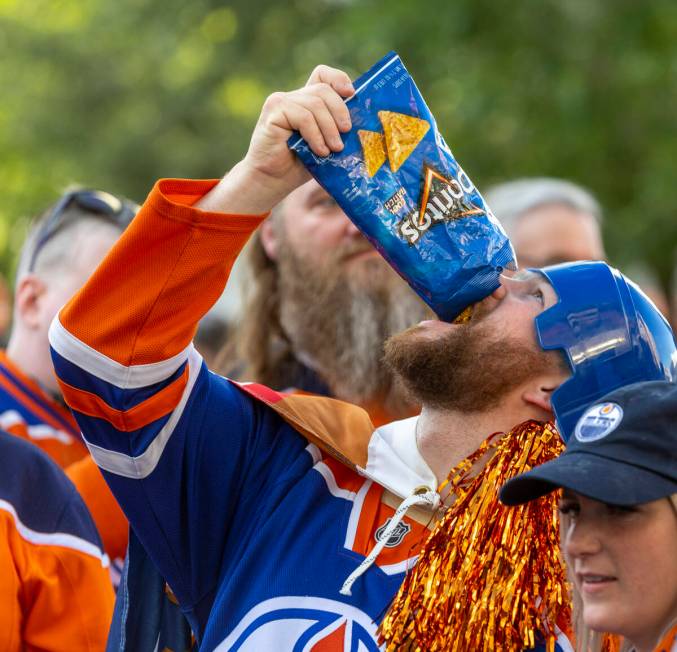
(132, 324)
(270, 171)
(175, 441)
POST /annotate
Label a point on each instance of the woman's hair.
(586, 639)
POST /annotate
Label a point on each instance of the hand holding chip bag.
(269, 171)
(398, 181)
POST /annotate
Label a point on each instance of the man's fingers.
(325, 119)
(337, 79)
(317, 111)
(301, 119)
(337, 107)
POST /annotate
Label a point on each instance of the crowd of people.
(345, 451)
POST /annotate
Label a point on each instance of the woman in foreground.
(619, 517)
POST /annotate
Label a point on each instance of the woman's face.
(624, 562)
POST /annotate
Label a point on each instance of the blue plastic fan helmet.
(610, 331)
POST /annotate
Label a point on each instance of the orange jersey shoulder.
(55, 590)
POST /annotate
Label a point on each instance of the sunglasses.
(96, 202)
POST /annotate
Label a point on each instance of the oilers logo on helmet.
(303, 624)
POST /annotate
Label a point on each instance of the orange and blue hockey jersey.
(55, 590)
(28, 412)
(254, 506)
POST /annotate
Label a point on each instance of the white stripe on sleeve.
(90, 360)
(143, 465)
(54, 538)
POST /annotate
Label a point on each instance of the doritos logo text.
(442, 200)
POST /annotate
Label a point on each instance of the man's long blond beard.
(338, 316)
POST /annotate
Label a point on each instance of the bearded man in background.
(321, 304)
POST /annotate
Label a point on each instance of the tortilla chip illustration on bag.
(398, 181)
(402, 134)
(373, 150)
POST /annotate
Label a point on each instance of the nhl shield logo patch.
(396, 537)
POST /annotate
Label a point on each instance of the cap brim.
(594, 476)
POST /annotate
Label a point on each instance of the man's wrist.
(244, 190)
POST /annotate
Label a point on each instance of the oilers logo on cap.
(598, 421)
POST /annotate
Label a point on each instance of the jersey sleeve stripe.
(142, 414)
(31, 405)
(41, 431)
(142, 465)
(116, 397)
(101, 366)
(60, 539)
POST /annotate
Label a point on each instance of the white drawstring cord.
(429, 497)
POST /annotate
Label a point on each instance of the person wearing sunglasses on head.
(618, 508)
(60, 253)
(56, 587)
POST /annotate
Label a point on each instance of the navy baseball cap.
(623, 451)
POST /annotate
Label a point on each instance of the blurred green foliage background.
(115, 94)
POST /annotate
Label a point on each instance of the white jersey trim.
(60, 539)
(329, 478)
(399, 567)
(143, 465)
(314, 452)
(84, 356)
(12, 418)
(295, 602)
(355, 512)
(563, 642)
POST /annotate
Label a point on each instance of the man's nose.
(350, 229)
(514, 285)
(581, 539)
(500, 292)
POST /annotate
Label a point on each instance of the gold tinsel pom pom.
(490, 577)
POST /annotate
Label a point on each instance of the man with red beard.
(464, 373)
(288, 521)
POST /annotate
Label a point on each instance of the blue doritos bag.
(398, 181)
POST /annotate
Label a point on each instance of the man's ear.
(539, 393)
(30, 291)
(269, 238)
